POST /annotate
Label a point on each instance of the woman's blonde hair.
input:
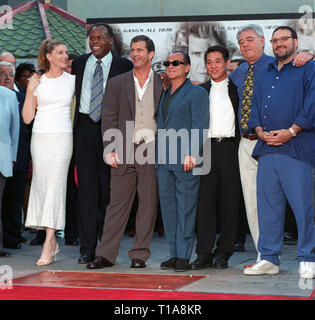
(47, 46)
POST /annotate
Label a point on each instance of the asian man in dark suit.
(92, 72)
(220, 189)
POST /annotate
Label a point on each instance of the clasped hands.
(275, 137)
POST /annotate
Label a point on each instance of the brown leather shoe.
(98, 263)
(137, 263)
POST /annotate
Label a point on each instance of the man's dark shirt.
(168, 98)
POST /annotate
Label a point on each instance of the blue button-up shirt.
(281, 99)
(238, 77)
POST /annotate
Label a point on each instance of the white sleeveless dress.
(51, 151)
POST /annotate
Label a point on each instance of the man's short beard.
(286, 56)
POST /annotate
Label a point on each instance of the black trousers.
(71, 227)
(12, 208)
(220, 191)
(242, 224)
(93, 182)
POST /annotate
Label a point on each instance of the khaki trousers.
(248, 171)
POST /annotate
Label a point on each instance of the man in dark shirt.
(183, 107)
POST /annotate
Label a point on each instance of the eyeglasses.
(175, 63)
(6, 74)
(248, 40)
(281, 40)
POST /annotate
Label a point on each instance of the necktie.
(247, 98)
(97, 93)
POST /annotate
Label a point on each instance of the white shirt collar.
(107, 60)
(148, 79)
(220, 83)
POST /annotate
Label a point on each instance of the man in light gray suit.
(9, 138)
(131, 97)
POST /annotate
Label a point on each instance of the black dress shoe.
(4, 254)
(137, 263)
(202, 262)
(98, 263)
(12, 245)
(85, 259)
(168, 264)
(23, 240)
(220, 263)
(72, 242)
(239, 247)
(182, 265)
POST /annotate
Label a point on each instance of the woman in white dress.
(48, 100)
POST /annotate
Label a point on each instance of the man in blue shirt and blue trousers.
(283, 116)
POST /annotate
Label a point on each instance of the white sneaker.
(262, 267)
(307, 270)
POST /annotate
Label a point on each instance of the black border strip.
(230, 17)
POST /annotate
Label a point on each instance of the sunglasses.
(175, 63)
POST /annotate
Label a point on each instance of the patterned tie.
(247, 98)
(97, 93)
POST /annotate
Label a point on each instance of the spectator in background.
(15, 185)
(9, 57)
(23, 72)
(9, 135)
(234, 64)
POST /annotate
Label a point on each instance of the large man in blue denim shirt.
(283, 115)
(251, 40)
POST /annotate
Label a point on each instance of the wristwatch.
(292, 132)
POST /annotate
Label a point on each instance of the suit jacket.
(189, 109)
(119, 65)
(119, 107)
(9, 130)
(234, 99)
(23, 154)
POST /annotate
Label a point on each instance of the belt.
(86, 116)
(83, 114)
(250, 136)
(222, 139)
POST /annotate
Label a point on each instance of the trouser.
(178, 199)
(2, 185)
(12, 208)
(93, 182)
(137, 178)
(248, 171)
(281, 177)
(71, 227)
(220, 191)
